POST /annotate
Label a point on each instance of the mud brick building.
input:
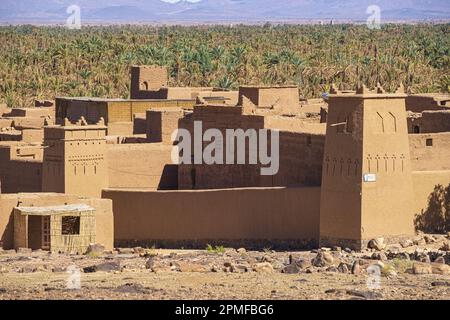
(359, 165)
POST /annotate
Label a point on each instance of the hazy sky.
(55, 11)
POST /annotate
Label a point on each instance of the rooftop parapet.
(362, 91)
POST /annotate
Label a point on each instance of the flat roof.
(77, 127)
(94, 99)
(369, 95)
(269, 87)
(52, 210)
(18, 143)
(438, 96)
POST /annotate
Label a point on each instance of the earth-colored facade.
(353, 167)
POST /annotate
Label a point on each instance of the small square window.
(70, 225)
(429, 142)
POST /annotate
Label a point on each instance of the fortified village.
(354, 166)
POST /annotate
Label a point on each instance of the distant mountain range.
(210, 11)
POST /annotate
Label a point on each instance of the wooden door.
(45, 233)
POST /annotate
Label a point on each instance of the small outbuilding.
(66, 229)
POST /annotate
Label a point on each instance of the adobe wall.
(141, 166)
(429, 122)
(151, 82)
(285, 99)
(10, 134)
(434, 156)
(22, 176)
(231, 97)
(144, 105)
(284, 217)
(19, 150)
(424, 183)
(294, 124)
(112, 110)
(6, 123)
(202, 176)
(171, 93)
(73, 110)
(422, 102)
(210, 94)
(32, 135)
(27, 122)
(301, 151)
(104, 215)
(312, 105)
(161, 123)
(188, 93)
(251, 93)
(301, 156)
(120, 128)
(181, 93)
(41, 112)
(139, 123)
(20, 168)
(44, 104)
(147, 78)
(4, 109)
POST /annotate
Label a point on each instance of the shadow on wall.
(169, 178)
(436, 218)
(6, 242)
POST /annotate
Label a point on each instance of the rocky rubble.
(430, 258)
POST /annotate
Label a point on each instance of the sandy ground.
(147, 285)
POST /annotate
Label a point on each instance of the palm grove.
(43, 62)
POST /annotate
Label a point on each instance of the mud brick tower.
(75, 159)
(366, 178)
(147, 78)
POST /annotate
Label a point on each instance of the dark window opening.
(70, 225)
(429, 142)
(416, 129)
